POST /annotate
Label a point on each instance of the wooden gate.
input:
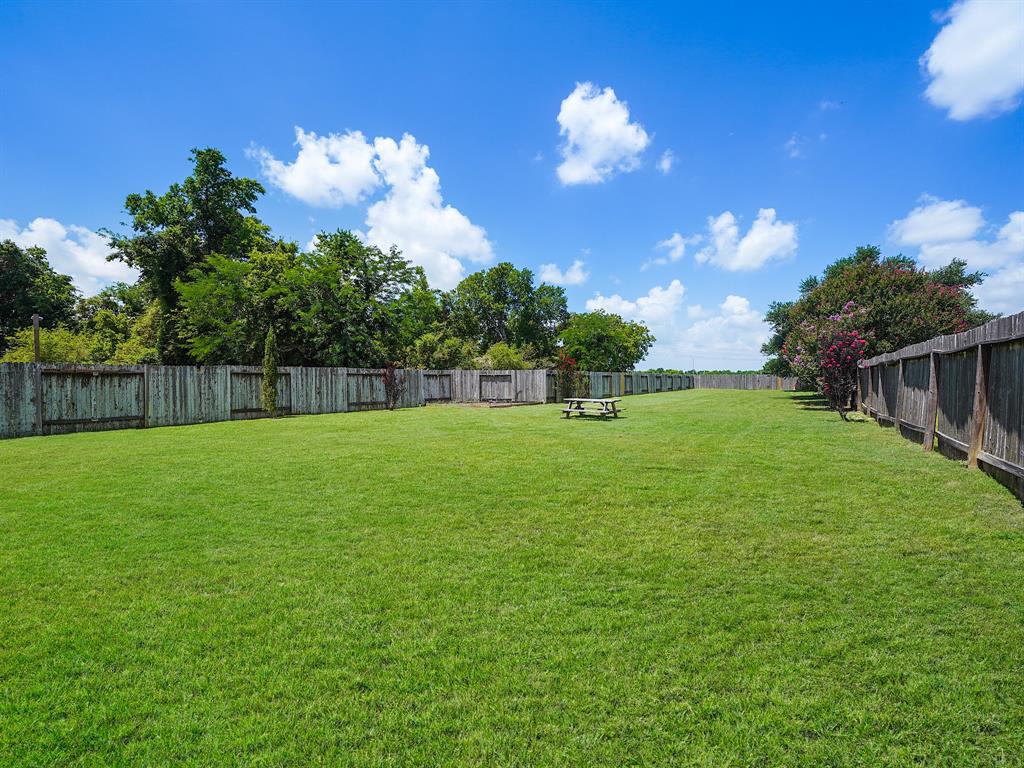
(246, 397)
(86, 399)
(496, 387)
(437, 387)
(366, 391)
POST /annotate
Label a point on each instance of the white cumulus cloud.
(768, 239)
(330, 171)
(71, 250)
(599, 137)
(730, 337)
(413, 216)
(943, 230)
(937, 221)
(574, 275)
(346, 169)
(727, 336)
(656, 309)
(794, 146)
(674, 247)
(976, 62)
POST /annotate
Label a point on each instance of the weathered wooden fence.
(963, 392)
(53, 399)
(620, 384)
(743, 381)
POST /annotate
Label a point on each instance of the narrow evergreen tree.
(268, 392)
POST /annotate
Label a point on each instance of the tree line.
(214, 281)
(864, 305)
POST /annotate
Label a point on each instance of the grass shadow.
(812, 401)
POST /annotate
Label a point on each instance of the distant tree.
(900, 304)
(599, 341)
(268, 388)
(56, 345)
(435, 349)
(113, 316)
(502, 357)
(501, 304)
(778, 317)
(29, 285)
(226, 305)
(351, 299)
(211, 212)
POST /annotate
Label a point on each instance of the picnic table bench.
(592, 406)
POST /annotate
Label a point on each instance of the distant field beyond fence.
(743, 381)
(963, 392)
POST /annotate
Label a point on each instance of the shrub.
(394, 385)
(828, 352)
(572, 382)
(502, 357)
(268, 390)
(56, 345)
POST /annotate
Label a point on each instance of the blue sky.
(757, 142)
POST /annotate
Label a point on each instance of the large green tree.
(114, 317)
(344, 303)
(227, 304)
(599, 341)
(29, 285)
(211, 212)
(358, 305)
(501, 304)
(896, 304)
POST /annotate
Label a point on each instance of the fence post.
(899, 391)
(980, 407)
(932, 409)
(145, 396)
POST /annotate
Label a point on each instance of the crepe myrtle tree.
(394, 385)
(571, 381)
(829, 352)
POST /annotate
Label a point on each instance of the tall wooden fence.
(743, 381)
(54, 399)
(963, 392)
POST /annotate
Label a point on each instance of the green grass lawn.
(719, 578)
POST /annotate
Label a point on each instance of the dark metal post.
(35, 336)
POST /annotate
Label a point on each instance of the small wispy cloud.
(794, 146)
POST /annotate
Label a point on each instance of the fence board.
(913, 397)
(93, 398)
(956, 400)
(180, 394)
(437, 386)
(1005, 424)
(17, 400)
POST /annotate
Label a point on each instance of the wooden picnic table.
(592, 406)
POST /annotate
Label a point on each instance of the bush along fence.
(963, 392)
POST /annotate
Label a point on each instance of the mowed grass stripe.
(718, 578)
